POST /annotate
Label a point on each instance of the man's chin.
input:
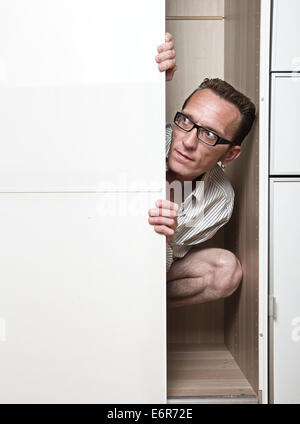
(178, 168)
(182, 174)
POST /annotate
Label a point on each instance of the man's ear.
(231, 154)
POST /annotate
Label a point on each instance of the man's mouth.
(181, 156)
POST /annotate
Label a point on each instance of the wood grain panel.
(199, 54)
(203, 323)
(194, 7)
(241, 234)
(204, 369)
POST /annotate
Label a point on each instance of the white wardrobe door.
(285, 137)
(286, 33)
(82, 299)
(80, 93)
(285, 285)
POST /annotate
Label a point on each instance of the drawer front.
(286, 34)
(285, 125)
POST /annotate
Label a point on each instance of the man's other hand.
(164, 218)
(166, 57)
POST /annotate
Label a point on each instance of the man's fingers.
(164, 203)
(163, 212)
(165, 230)
(168, 36)
(170, 54)
(165, 46)
(162, 220)
(170, 73)
(167, 64)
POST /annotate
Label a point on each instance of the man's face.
(207, 109)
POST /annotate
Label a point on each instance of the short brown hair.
(229, 93)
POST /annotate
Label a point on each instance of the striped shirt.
(206, 209)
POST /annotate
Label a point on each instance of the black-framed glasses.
(203, 134)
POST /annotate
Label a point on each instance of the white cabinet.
(80, 94)
(285, 135)
(81, 303)
(285, 37)
(82, 273)
(284, 204)
(78, 137)
(279, 195)
(285, 288)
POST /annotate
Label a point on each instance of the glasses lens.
(183, 122)
(207, 136)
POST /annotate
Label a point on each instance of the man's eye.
(186, 120)
(209, 134)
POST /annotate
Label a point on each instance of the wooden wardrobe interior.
(213, 347)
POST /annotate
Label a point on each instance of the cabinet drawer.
(285, 145)
(285, 37)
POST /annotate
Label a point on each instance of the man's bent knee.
(229, 273)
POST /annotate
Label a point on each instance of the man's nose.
(190, 138)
